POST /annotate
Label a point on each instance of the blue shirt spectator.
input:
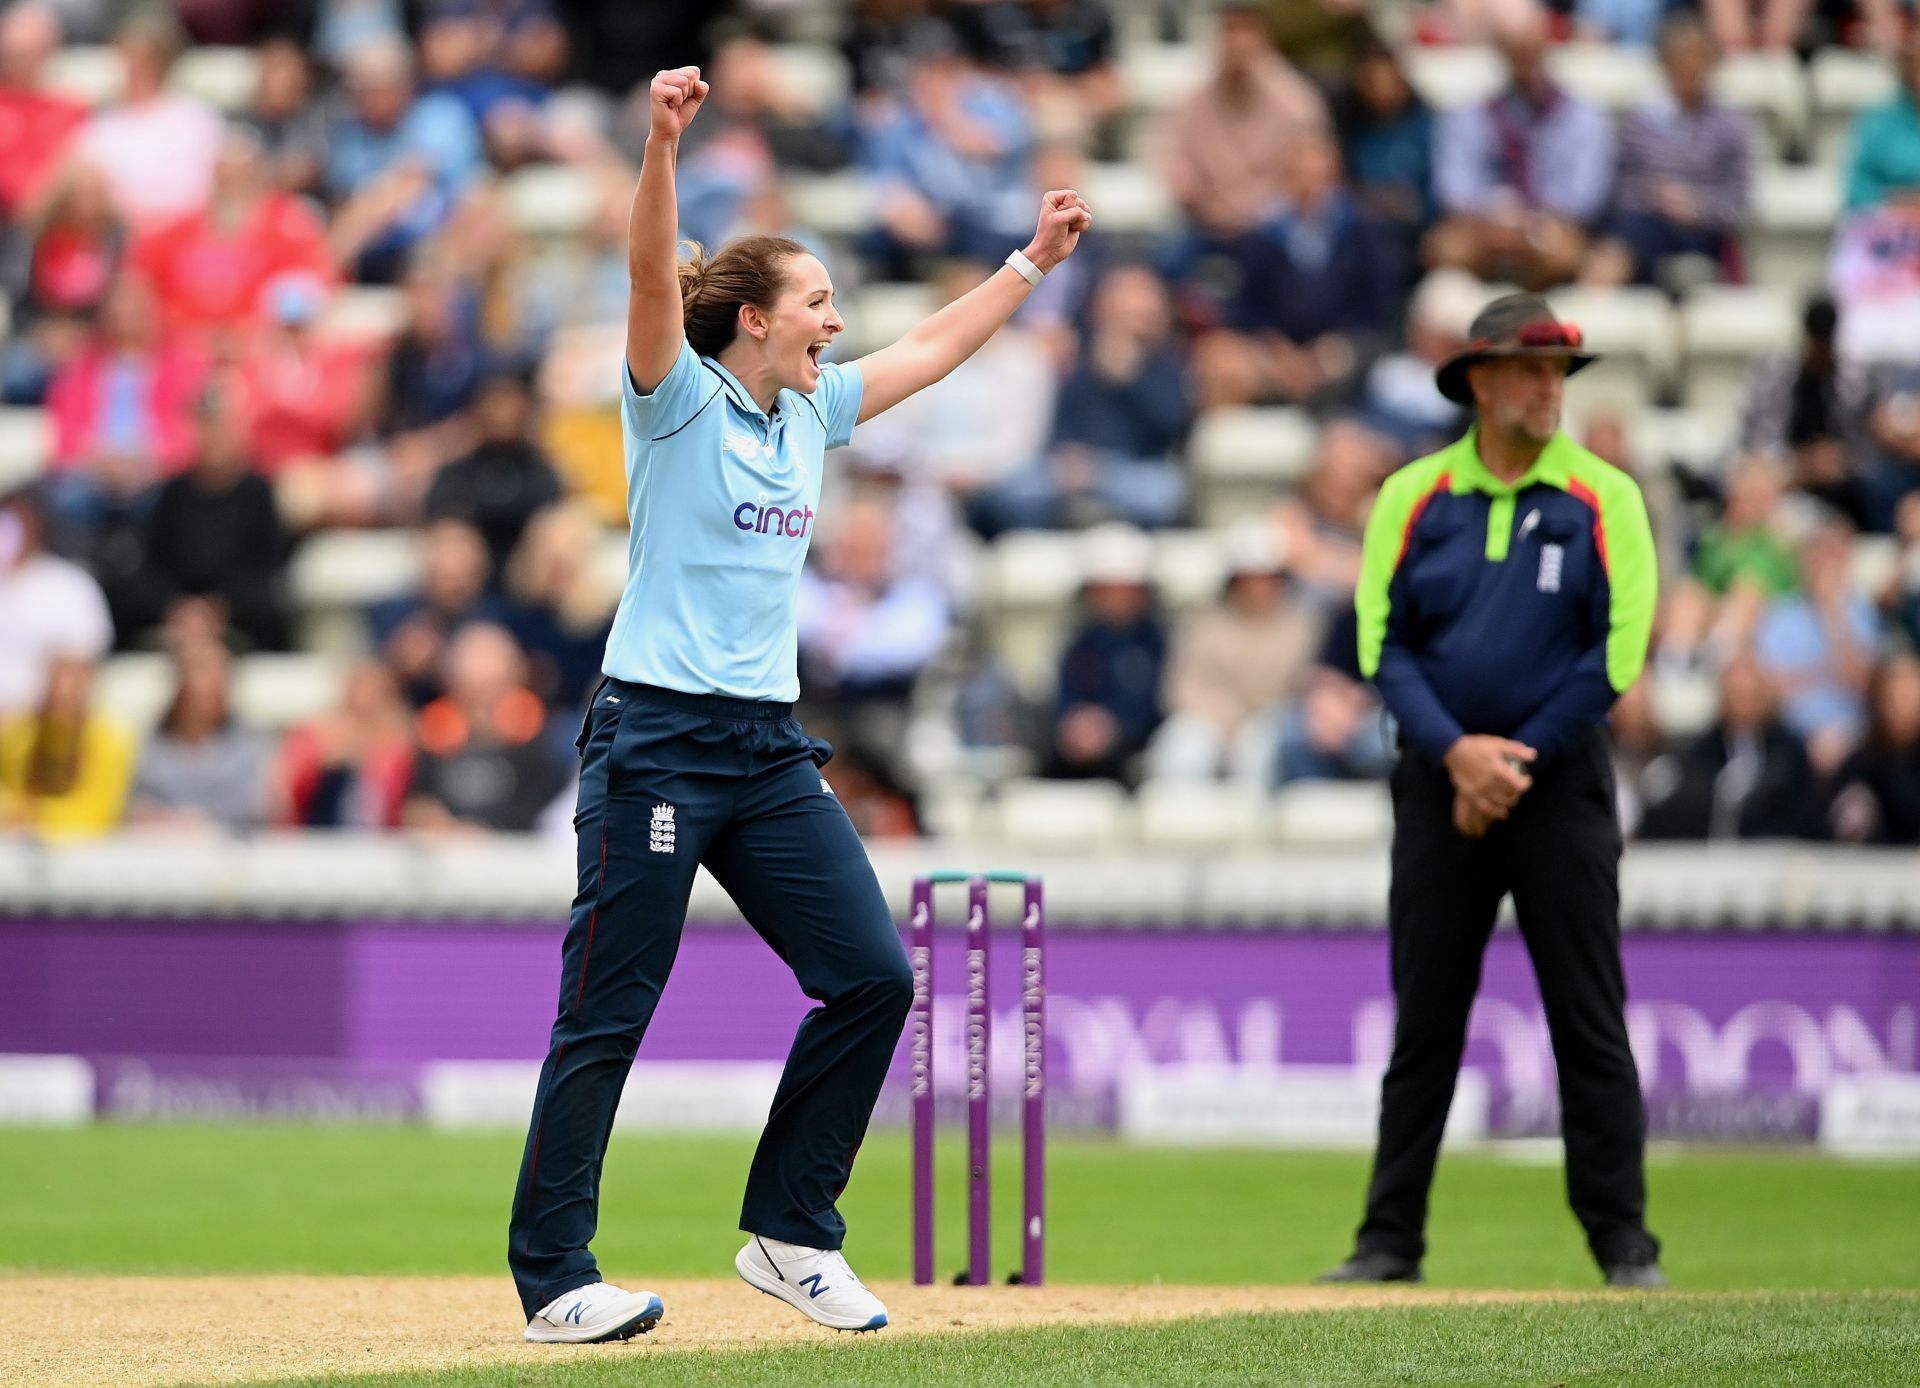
(1536, 146)
(1685, 161)
(950, 157)
(396, 161)
(1819, 645)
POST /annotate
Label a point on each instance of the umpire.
(1506, 597)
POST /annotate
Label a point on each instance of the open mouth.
(813, 353)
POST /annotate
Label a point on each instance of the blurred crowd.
(178, 279)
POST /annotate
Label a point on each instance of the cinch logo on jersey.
(772, 520)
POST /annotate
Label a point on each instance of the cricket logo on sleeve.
(660, 835)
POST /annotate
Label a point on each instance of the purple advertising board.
(1737, 1032)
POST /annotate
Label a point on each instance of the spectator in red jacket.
(122, 412)
(349, 768)
(310, 394)
(35, 124)
(212, 268)
(72, 246)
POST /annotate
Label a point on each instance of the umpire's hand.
(1490, 777)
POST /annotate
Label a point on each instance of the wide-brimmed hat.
(1515, 325)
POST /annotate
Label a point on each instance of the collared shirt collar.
(1553, 467)
(739, 392)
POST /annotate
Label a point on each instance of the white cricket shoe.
(816, 1281)
(598, 1311)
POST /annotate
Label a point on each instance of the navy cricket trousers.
(669, 781)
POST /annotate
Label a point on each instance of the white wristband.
(1027, 270)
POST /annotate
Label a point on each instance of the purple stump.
(1033, 1117)
(920, 1042)
(979, 1120)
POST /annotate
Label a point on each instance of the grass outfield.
(1836, 1247)
(166, 1198)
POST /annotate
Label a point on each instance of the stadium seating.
(1724, 327)
(1844, 83)
(1244, 458)
(1794, 211)
(26, 438)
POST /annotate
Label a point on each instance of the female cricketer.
(690, 753)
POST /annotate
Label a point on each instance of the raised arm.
(956, 332)
(654, 326)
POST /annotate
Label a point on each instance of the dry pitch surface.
(141, 1332)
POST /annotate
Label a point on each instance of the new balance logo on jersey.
(660, 834)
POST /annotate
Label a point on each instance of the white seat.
(1129, 198)
(1190, 816)
(836, 204)
(1030, 581)
(1159, 75)
(1772, 88)
(1331, 812)
(1633, 330)
(953, 807)
(225, 77)
(1614, 76)
(276, 690)
(135, 688)
(552, 200)
(882, 314)
(816, 73)
(364, 313)
(1457, 74)
(93, 73)
(1267, 441)
(1033, 568)
(1795, 208)
(1874, 562)
(352, 568)
(1244, 457)
(1724, 327)
(1845, 82)
(1062, 814)
(1189, 566)
(26, 441)
(1684, 703)
(1699, 439)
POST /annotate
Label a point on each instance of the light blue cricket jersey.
(722, 500)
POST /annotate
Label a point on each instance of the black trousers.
(670, 781)
(1558, 854)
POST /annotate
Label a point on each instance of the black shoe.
(1374, 1266)
(1643, 1276)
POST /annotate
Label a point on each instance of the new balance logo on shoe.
(660, 836)
(574, 1311)
(814, 1284)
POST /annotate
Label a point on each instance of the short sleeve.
(838, 400)
(671, 404)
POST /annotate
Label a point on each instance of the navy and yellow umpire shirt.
(1518, 610)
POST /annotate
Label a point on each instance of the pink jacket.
(175, 374)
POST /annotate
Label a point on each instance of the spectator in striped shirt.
(1684, 171)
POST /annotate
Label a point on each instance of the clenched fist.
(675, 99)
(1064, 215)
